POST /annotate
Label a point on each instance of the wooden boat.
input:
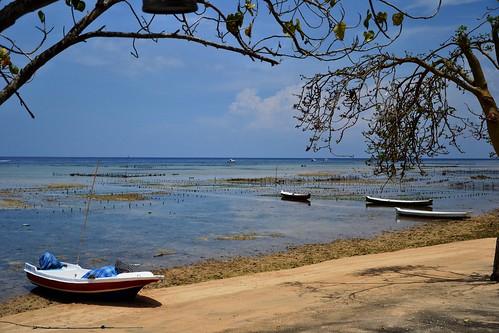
(68, 279)
(398, 202)
(432, 213)
(295, 196)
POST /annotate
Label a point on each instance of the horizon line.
(237, 157)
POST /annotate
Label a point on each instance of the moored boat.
(432, 213)
(295, 196)
(398, 202)
(70, 278)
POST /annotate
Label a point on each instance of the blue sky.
(184, 100)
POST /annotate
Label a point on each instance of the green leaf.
(5, 61)
(248, 30)
(367, 19)
(461, 29)
(234, 22)
(80, 6)
(249, 6)
(368, 36)
(339, 30)
(41, 16)
(298, 28)
(13, 69)
(397, 18)
(381, 18)
(289, 28)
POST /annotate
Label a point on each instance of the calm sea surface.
(190, 207)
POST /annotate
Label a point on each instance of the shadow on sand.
(121, 300)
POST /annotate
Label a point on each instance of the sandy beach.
(438, 288)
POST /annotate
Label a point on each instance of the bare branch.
(18, 8)
(135, 35)
(403, 101)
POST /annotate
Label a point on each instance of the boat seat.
(122, 267)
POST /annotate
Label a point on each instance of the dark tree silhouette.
(404, 101)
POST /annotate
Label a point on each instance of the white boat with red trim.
(68, 279)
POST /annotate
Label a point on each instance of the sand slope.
(441, 288)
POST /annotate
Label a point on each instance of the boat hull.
(398, 202)
(295, 196)
(128, 285)
(432, 214)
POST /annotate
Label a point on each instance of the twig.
(20, 98)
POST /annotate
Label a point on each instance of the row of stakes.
(181, 196)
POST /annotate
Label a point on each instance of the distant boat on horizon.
(231, 161)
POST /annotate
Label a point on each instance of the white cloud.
(437, 32)
(272, 112)
(159, 62)
(433, 4)
(115, 56)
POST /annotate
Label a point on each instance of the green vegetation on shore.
(248, 236)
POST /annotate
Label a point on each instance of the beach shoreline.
(424, 235)
(439, 288)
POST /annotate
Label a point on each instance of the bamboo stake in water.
(84, 226)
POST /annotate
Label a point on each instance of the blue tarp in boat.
(105, 271)
(48, 261)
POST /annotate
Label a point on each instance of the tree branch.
(21, 100)
(118, 34)
(69, 39)
(399, 61)
(18, 8)
(74, 36)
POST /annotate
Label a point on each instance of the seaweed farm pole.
(87, 208)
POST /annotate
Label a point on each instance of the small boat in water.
(71, 278)
(305, 197)
(432, 213)
(398, 202)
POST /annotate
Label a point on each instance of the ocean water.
(191, 205)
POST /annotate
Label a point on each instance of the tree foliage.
(404, 101)
(263, 30)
